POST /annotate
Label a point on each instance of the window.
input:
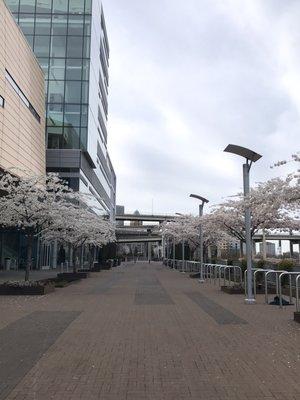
(27, 6)
(76, 6)
(59, 24)
(22, 96)
(1, 102)
(60, 6)
(56, 91)
(58, 46)
(41, 46)
(72, 115)
(88, 6)
(57, 69)
(13, 5)
(43, 6)
(74, 49)
(75, 27)
(26, 23)
(73, 92)
(73, 71)
(87, 25)
(42, 25)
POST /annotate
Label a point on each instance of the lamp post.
(174, 249)
(149, 231)
(182, 249)
(250, 157)
(201, 205)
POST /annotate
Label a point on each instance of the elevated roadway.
(144, 217)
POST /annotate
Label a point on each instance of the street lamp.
(250, 157)
(201, 205)
(149, 232)
(183, 250)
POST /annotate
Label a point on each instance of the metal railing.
(290, 274)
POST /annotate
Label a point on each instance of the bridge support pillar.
(291, 249)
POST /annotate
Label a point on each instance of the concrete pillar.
(291, 249)
(279, 247)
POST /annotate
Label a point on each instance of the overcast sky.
(189, 77)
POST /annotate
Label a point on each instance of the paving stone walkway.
(145, 332)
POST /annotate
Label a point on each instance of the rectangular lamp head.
(196, 196)
(243, 152)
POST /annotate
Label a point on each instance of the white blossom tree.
(45, 206)
(27, 204)
(274, 206)
(77, 226)
(186, 228)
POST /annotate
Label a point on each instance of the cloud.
(186, 79)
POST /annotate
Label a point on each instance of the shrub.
(261, 264)
(285, 264)
(244, 264)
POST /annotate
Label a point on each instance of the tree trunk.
(73, 260)
(29, 255)
(241, 249)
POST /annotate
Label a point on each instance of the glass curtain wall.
(59, 32)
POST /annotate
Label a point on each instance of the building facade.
(22, 121)
(69, 39)
(22, 109)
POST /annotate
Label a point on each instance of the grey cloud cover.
(186, 79)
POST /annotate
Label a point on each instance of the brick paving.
(144, 332)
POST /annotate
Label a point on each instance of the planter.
(56, 282)
(237, 289)
(233, 289)
(195, 275)
(71, 276)
(297, 316)
(39, 290)
(96, 267)
(105, 266)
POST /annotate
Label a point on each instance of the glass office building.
(70, 41)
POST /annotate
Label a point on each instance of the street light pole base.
(250, 301)
(201, 280)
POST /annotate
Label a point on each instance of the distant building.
(120, 210)
(230, 248)
(270, 249)
(136, 223)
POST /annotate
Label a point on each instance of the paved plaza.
(142, 331)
